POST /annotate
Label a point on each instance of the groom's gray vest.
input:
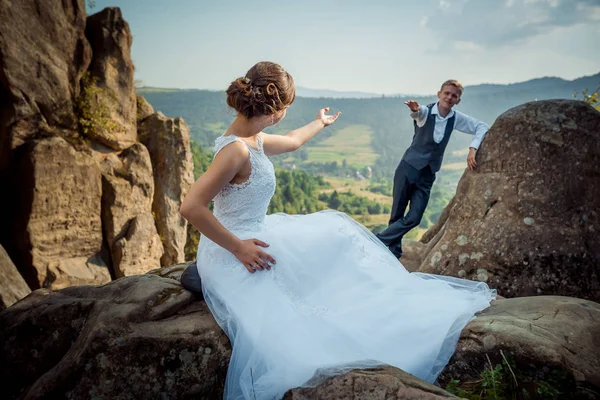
(424, 150)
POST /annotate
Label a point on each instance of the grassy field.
(357, 187)
(360, 189)
(371, 221)
(351, 143)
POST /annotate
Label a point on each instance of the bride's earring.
(272, 120)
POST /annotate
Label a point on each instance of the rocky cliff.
(91, 185)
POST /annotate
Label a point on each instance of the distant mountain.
(388, 120)
(546, 85)
(333, 94)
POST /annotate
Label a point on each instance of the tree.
(334, 201)
(593, 99)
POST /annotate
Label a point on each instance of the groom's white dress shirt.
(462, 123)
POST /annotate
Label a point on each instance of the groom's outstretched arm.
(417, 112)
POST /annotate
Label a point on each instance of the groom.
(415, 174)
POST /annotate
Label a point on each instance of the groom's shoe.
(396, 249)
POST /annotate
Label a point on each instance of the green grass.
(352, 143)
(357, 187)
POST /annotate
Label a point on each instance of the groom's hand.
(413, 105)
(471, 163)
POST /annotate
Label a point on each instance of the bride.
(296, 293)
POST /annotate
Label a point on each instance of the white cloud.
(444, 4)
(494, 23)
(466, 46)
(592, 12)
(423, 21)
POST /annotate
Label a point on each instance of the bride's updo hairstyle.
(266, 89)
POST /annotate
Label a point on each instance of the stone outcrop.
(150, 338)
(12, 285)
(527, 220)
(382, 383)
(81, 186)
(412, 254)
(168, 141)
(144, 109)
(127, 194)
(139, 337)
(43, 56)
(57, 229)
(110, 39)
(546, 337)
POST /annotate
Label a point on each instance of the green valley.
(355, 158)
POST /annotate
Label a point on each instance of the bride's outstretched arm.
(279, 144)
(226, 165)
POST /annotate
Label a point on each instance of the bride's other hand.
(327, 119)
(252, 256)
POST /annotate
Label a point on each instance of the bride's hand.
(252, 256)
(327, 119)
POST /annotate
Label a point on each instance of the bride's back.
(243, 206)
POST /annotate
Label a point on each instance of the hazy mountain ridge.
(548, 83)
(545, 84)
(334, 94)
(208, 115)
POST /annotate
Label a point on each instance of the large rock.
(412, 254)
(144, 109)
(114, 104)
(382, 383)
(168, 141)
(141, 238)
(43, 55)
(138, 337)
(127, 194)
(56, 236)
(146, 337)
(546, 336)
(527, 220)
(12, 285)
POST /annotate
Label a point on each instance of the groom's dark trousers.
(411, 186)
(413, 181)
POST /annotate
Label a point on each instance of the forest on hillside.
(297, 192)
(391, 130)
(385, 120)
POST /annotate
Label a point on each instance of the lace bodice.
(243, 206)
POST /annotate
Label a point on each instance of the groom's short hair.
(455, 83)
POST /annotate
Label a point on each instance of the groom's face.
(449, 96)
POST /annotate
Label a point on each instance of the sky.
(378, 46)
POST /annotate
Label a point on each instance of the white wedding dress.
(336, 296)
